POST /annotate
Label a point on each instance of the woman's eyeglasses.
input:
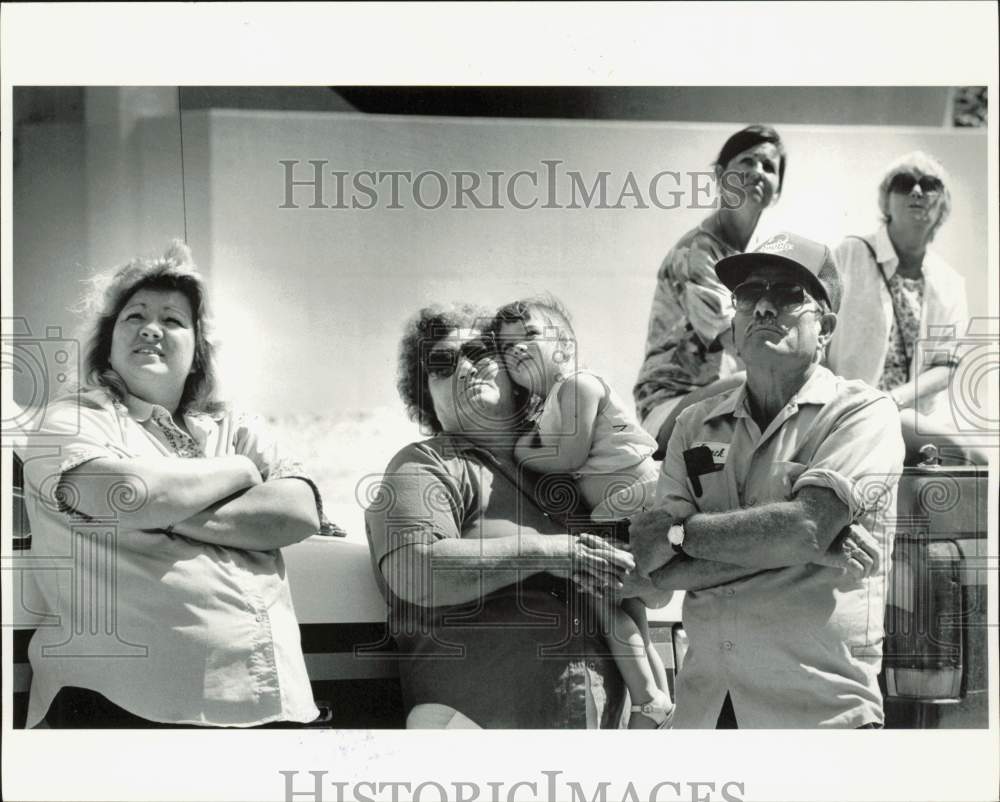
(442, 361)
(785, 295)
(903, 183)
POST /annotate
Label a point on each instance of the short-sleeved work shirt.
(172, 629)
(527, 656)
(801, 646)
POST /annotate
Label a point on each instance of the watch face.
(676, 535)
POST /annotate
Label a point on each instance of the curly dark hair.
(175, 270)
(429, 326)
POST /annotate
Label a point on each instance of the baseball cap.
(810, 261)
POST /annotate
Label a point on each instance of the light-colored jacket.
(861, 340)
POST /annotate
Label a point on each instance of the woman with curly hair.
(178, 610)
(477, 558)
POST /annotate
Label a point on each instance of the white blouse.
(172, 629)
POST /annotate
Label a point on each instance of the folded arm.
(772, 535)
(929, 382)
(155, 492)
(260, 518)
(850, 548)
(454, 570)
(853, 550)
(686, 573)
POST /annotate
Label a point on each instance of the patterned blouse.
(682, 348)
(907, 301)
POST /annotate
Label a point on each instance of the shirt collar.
(885, 254)
(731, 403)
(820, 388)
(141, 411)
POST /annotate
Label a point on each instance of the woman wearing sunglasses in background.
(474, 558)
(898, 296)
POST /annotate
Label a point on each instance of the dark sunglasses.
(443, 362)
(904, 184)
(785, 295)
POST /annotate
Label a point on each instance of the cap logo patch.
(777, 244)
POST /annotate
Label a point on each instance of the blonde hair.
(924, 164)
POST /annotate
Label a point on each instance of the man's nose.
(765, 307)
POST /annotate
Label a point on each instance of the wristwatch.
(676, 537)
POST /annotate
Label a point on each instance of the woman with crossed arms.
(182, 615)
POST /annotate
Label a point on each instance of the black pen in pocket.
(699, 461)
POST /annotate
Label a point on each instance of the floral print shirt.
(687, 317)
(907, 300)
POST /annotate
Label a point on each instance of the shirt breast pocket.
(712, 491)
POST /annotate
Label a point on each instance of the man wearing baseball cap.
(771, 513)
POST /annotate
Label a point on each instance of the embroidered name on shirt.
(719, 451)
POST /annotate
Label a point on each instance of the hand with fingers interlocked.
(854, 551)
(596, 565)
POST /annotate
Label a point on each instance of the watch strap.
(621, 529)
